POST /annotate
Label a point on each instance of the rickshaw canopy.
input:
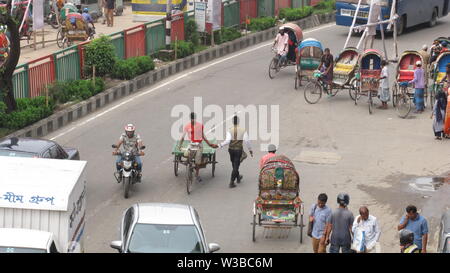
(310, 42)
(71, 7)
(296, 29)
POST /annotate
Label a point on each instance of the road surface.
(377, 155)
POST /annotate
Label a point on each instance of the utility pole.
(168, 22)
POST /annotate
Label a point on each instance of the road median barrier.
(75, 112)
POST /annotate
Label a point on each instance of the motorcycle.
(51, 19)
(128, 174)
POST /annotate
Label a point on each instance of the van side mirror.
(116, 245)
(213, 247)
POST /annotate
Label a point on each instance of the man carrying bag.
(317, 223)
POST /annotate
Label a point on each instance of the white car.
(18, 240)
(162, 228)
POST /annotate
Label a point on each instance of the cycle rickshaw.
(278, 205)
(185, 156)
(368, 76)
(294, 31)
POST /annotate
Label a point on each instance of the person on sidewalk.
(110, 5)
(235, 138)
(419, 85)
(339, 226)
(439, 110)
(272, 149)
(418, 225)
(407, 242)
(385, 95)
(369, 225)
(319, 214)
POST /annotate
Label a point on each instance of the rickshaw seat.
(406, 75)
(369, 73)
(343, 68)
(440, 76)
(309, 63)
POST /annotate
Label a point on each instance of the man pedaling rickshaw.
(195, 133)
(281, 42)
(88, 19)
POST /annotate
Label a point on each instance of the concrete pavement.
(379, 154)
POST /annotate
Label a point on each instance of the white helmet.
(129, 129)
(418, 63)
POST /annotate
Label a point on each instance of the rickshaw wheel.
(175, 165)
(370, 102)
(254, 228)
(60, 39)
(273, 70)
(301, 228)
(403, 105)
(394, 94)
(313, 92)
(213, 167)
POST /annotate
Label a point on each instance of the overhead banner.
(214, 14)
(200, 15)
(38, 15)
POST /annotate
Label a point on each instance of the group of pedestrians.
(347, 234)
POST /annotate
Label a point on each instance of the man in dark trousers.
(110, 5)
(235, 138)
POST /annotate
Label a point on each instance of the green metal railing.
(266, 8)
(231, 13)
(155, 36)
(20, 82)
(67, 64)
(118, 41)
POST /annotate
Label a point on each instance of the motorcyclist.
(88, 19)
(132, 142)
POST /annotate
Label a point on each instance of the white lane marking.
(171, 81)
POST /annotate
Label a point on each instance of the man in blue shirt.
(88, 19)
(318, 215)
(418, 225)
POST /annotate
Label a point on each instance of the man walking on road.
(235, 138)
(319, 214)
(109, 12)
(339, 226)
(369, 225)
(418, 225)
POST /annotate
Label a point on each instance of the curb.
(64, 117)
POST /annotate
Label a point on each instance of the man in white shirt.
(385, 95)
(235, 137)
(368, 224)
(281, 42)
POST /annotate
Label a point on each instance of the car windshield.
(4, 249)
(148, 238)
(15, 153)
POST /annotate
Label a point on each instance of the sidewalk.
(120, 23)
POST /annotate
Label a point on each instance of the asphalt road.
(380, 153)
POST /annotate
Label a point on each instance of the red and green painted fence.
(31, 79)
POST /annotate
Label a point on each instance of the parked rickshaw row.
(359, 72)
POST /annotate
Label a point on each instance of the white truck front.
(46, 195)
